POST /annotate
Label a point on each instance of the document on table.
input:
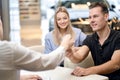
(62, 73)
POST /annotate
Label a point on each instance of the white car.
(78, 11)
(115, 6)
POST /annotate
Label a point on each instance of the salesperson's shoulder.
(7, 44)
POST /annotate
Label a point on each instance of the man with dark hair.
(104, 45)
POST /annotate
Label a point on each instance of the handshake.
(71, 51)
(67, 42)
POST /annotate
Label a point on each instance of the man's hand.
(78, 71)
(67, 41)
(71, 54)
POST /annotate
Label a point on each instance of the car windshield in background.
(69, 3)
(78, 11)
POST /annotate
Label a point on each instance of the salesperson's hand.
(67, 41)
(30, 77)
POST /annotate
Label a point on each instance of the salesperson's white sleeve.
(31, 60)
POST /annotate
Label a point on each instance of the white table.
(62, 73)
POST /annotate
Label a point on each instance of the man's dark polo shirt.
(103, 53)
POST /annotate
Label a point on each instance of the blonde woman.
(62, 26)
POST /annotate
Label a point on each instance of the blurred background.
(28, 21)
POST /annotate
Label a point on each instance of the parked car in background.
(79, 12)
(115, 6)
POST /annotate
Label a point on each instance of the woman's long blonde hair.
(56, 32)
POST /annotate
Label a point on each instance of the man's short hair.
(99, 4)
